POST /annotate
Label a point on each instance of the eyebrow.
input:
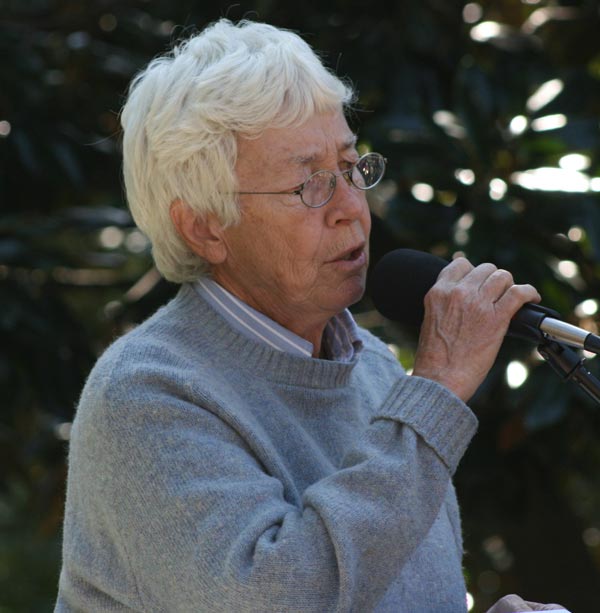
(346, 144)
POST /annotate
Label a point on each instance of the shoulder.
(162, 340)
(155, 360)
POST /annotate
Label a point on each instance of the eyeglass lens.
(319, 188)
(366, 173)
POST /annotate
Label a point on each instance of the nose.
(347, 204)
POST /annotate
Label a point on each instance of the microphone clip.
(526, 325)
(570, 366)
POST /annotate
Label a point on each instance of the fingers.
(510, 604)
(515, 297)
(485, 278)
(488, 283)
(467, 313)
(513, 603)
(455, 271)
(536, 606)
(496, 284)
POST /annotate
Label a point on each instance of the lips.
(351, 254)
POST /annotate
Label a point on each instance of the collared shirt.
(340, 339)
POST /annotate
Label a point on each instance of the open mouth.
(353, 255)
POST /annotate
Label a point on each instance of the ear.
(203, 235)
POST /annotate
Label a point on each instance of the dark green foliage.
(436, 97)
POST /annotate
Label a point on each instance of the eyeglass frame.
(347, 174)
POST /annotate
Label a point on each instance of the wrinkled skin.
(285, 259)
(301, 266)
(467, 313)
(515, 604)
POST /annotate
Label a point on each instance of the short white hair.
(183, 115)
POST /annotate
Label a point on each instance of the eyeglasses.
(318, 189)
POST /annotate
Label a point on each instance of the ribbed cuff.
(445, 422)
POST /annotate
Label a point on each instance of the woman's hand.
(467, 314)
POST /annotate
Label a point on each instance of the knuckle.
(436, 294)
(459, 293)
(461, 263)
(522, 290)
(530, 288)
(487, 267)
(504, 275)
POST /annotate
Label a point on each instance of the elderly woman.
(249, 447)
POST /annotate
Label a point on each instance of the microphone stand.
(564, 360)
(569, 366)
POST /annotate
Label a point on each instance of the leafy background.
(479, 108)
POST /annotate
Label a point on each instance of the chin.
(351, 295)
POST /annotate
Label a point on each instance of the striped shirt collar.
(340, 340)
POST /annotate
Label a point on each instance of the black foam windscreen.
(399, 282)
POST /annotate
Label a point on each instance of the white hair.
(185, 111)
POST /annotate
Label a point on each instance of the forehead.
(320, 137)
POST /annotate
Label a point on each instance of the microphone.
(402, 277)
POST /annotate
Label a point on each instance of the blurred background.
(488, 113)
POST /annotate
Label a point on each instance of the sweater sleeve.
(169, 508)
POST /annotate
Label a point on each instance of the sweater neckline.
(257, 358)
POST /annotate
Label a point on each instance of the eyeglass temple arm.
(295, 192)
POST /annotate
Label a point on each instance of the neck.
(315, 339)
(307, 325)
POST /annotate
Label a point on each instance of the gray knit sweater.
(208, 472)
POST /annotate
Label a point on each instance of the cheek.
(366, 221)
(292, 248)
(281, 258)
(299, 261)
(300, 240)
